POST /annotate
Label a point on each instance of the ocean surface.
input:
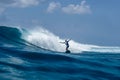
(38, 55)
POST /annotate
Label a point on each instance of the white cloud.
(17, 3)
(53, 6)
(25, 3)
(82, 8)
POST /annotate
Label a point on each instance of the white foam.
(45, 39)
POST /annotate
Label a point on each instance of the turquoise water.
(22, 60)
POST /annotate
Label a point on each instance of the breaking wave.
(44, 39)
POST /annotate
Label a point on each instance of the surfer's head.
(66, 40)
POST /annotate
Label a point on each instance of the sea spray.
(46, 39)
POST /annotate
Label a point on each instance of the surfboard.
(68, 51)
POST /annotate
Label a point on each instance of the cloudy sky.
(85, 21)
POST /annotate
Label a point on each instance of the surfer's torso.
(66, 43)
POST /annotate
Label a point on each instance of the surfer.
(66, 43)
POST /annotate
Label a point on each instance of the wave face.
(38, 55)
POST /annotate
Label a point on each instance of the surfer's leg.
(67, 48)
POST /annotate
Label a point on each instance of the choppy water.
(23, 60)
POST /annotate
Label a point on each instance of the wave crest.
(44, 39)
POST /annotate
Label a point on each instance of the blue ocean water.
(21, 59)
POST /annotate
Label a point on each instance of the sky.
(86, 21)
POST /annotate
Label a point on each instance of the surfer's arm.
(69, 40)
(62, 42)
